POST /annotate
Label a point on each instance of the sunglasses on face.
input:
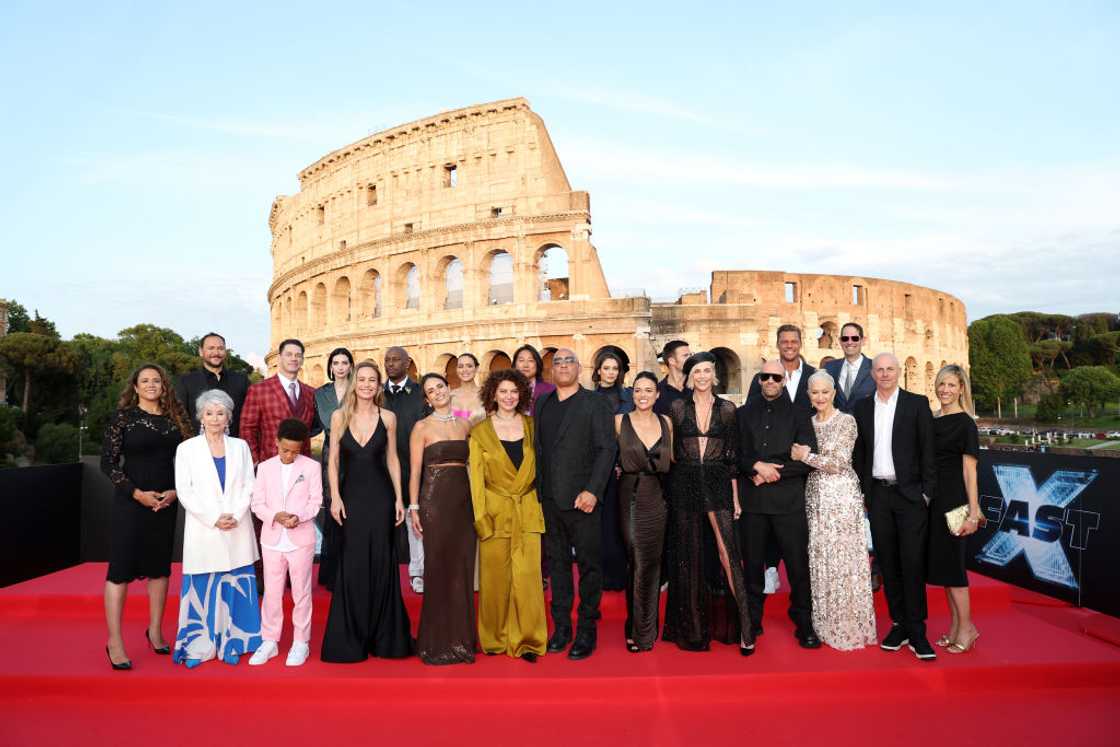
(563, 361)
(851, 338)
(764, 377)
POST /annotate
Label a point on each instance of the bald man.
(576, 450)
(894, 457)
(405, 400)
(772, 488)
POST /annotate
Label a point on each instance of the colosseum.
(461, 232)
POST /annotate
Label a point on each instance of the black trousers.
(566, 529)
(900, 531)
(790, 532)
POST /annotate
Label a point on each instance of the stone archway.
(369, 294)
(319, 307)
(729, 371)
(452, 272)
(829, 338)
(495, 360)
(301, 313)
(546, 364)
(340, 302)
(553, 273)
(445, 364)
(910, 381)
(498, 268)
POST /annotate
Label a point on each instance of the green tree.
(1000, 360)
(18, 320)
(1045, 354)
(1091, 387)
(1050, 407)
(147, 343)
(32, 355)
(57, 443)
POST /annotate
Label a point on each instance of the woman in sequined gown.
(843, 608)
(703, 503)
(442, 515)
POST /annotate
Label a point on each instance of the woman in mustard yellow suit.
(509, 522)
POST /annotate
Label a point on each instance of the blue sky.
(973, 147)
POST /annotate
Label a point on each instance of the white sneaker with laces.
(266, 651)
(773, 581)
(418, 584)
(297, 654)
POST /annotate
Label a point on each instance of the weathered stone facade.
(461, 232)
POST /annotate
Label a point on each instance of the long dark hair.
(610, 355)
(536, 359)
(330, 362)
(169, 404)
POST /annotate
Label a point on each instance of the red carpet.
(1041, 671)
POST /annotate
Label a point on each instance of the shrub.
(57, 443)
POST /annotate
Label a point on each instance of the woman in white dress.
(843, 608)
(219, 616)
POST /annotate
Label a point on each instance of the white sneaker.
(266, 651)
(773, 582)
(297, 654)
(418, 584)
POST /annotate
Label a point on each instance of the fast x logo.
(1031, 519)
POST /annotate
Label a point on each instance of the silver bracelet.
(414, 507)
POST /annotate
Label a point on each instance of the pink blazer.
(304, 498)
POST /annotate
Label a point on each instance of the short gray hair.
(821, 375)
(214, 397)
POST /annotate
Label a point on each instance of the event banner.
(1053, 526)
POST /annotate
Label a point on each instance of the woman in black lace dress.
(138, 455)
(703, 503)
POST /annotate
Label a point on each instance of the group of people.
(502, 487)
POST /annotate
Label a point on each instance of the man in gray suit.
(852, 374)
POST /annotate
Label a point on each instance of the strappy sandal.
(944, 640)
(957, 648)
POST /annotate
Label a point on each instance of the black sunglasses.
(770, 377)
(852, 338)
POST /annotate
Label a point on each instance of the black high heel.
(162, 650)
(122, 667)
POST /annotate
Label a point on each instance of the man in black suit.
(773, 489)
(894, 456)
(797, 371)
(576, 447)
(404, 399)
(213, 375)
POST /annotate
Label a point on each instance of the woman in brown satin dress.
(645, 447)
(443, 516)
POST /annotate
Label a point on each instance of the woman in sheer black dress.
(609, 376)
(703, 503)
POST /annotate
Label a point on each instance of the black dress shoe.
(756, 630)
(895, 639)
(921, 648)
(746, 645)
(808, 639)
(582, 648)
(559, 640)
(530, 657)
(161, 650)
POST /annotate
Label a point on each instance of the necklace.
(499, 416)
(443, 418)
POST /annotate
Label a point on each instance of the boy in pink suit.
(287, 495)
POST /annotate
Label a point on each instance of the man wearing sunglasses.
(852, 374)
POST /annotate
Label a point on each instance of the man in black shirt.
(772, 490)
(576, 448)
(672, 387)
(213, 375)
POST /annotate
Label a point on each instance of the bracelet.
(414, 507)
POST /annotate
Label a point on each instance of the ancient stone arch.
(497, 269)
(495, 360)
(550, 264)
(910, 376)
(340, 304)
(450, 271)
(728, 371)
(318, 320)
(369, 294)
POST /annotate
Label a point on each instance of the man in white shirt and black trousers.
(894, 457)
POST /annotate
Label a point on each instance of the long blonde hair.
(966, 388)
(350, 401)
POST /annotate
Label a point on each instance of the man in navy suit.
(854, 382)
(852, 374)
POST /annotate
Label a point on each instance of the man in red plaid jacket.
(275, 399)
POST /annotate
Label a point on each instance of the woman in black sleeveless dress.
(957, 445)
(642, 504)
(367, 614)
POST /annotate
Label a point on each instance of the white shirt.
(793, 379)
(285, 544)
(882, 463)
(849, 369)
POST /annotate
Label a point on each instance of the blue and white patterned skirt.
(219, 616)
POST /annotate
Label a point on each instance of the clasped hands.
(226, 522)
(154, 499)
(765, 472)
(586, 501)
(286, 520)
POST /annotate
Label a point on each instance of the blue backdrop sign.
(1052, 526)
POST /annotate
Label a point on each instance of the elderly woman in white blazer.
(219, 616)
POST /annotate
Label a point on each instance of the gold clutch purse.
(956, 518)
